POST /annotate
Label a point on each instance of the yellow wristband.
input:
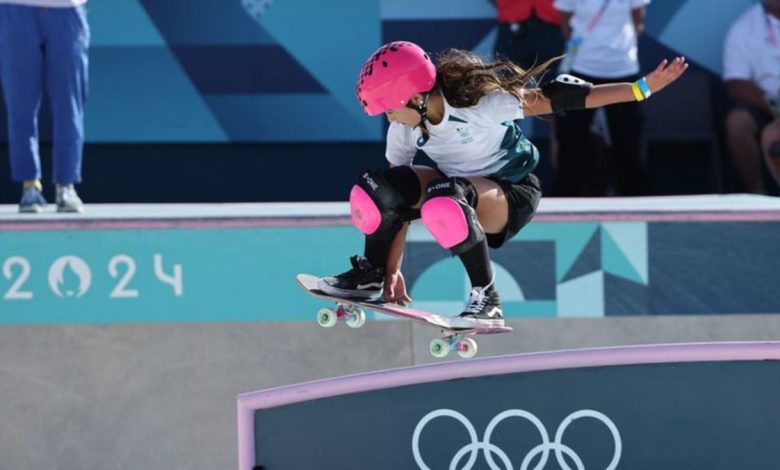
(637, 92)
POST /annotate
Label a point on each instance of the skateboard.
(456, 333)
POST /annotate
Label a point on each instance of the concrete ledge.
(733, 207)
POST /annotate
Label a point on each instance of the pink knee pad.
(444, 218)
(365, 213)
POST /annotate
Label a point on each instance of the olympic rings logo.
(557, 446)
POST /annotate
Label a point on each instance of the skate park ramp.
(686, 406)
(128, 331)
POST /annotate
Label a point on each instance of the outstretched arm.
(658, 79)
(612, 93)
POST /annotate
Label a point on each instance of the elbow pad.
(566, 92)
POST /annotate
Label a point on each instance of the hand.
(666, 73)
(395, 288)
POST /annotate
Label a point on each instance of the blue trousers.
(44, 47)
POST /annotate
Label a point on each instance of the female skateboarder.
(463, 113)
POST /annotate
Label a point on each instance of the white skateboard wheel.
(327, 318)
(467, 348)
(357, 318)
(439, 348)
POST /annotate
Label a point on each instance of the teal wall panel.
(248, 274)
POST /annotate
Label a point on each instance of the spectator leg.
(574, 155)
(741, 131)
(21, 71)
(625, 122)
(770, 137)
(67, 41)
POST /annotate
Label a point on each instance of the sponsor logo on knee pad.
(370, 181)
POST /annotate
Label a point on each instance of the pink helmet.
(393, 75)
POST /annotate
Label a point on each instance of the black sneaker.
(484, 306)
(363, 281)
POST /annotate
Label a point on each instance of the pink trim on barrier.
(365, 214)
(142, 224)
(137, 223)
(446, 221)
(248, 403)
(682, 216)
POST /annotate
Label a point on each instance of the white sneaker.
(68, 200)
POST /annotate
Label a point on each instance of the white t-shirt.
(480, 140)
(749, 52)
(609, 50)
(46, 3)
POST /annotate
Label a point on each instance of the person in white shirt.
(43, 46)
(462, 113)
(751, 70)
(601, 47)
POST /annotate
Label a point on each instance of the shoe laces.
(359, 264)
(478, 297)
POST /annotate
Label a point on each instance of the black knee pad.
(449, 214)
(381, 200)
(405, 182)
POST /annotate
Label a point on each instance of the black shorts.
(523, 198)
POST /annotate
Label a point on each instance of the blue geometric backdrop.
(284, 70)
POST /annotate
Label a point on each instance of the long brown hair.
(464, 78)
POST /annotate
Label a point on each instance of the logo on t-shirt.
(465, 135)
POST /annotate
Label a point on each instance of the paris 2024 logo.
(70, 276)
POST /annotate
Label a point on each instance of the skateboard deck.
(454, 330)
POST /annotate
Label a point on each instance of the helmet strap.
(422, 108)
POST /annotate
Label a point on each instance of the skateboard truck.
(355, 317)
(352, 315)
(465, 346)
